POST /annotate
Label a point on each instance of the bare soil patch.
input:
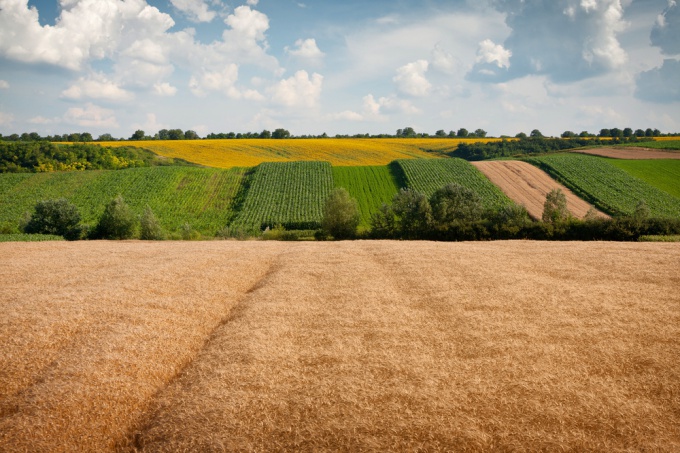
(630, 153)
(528, 185)
(351, 346)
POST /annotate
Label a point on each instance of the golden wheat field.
(338, 151)
(345, 346)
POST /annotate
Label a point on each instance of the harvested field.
(528, 185)
(350, 346)
(630, 153)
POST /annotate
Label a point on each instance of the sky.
(339, 67)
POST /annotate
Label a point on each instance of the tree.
(191, 135)
(616, 132)
(117, 222)
(413, 213)
(163, 134)
(555, 207)
(105, 138)
(408, 132)
(440, 133)
(454, 204)
(568, 134)
(85, 137)
(58, 217)
(649, 132)
(628, 132)
(266, 134)
(641, 211)
(604, 133)
(521, 135)
(280, 133)
(462, 132)
(639, 133)
(481, 133)
(138, 135)
(175, 134)
(536, 134)
(149, 226)
(340, 215)
(74, 137)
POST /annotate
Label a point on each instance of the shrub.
(55, 217)
(413, 213)
(149, 226)
(454, 204)
(340, 215)
(117, 222)
(555, 207)
(188, 233)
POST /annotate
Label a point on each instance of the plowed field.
(348, 346)
(631, 153)
(528, 185)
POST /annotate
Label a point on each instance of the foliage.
(663, 174)
(454, 204)
(608, 187)
(555, 207)
(19, 237)
(149, 227)
(187, 233)
(340, 215)
(370, 186)
(412, 212)
(660, 143)
(427, 176)
(18, 157)
(288, 193)
(55, 217)
(117, 222)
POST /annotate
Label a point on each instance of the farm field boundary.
(528, 185)
(630, 153)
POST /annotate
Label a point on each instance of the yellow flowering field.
(338, 151)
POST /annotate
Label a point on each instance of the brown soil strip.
(630, 153)
(528, 185)
(348, 346)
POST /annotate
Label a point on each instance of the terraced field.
(337, 151)
(610, 188)
(427, 176)
(370, 186)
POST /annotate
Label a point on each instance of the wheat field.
(227, 153)
(346, 346)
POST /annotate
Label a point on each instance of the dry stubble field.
(355, 346)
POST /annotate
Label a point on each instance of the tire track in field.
(528, 185)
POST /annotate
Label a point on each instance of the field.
(429, 176)
(662, 143)
(662, 174)
(630, 153)
(201, 197)
(349, 346)
(288, 193)
(610, 188)
(370, 186)
(528, 186)
(337, 151)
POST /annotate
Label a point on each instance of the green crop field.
(201, 197)
(427, 176)
(606, 185)
(370, 186)
(658, 144)
(663, 174)
(288, 193)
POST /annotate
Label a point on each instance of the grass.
(607, 186)
(291, 194)
(337, 151)
(201, 197)
(663, 174)
(350, 346)
(427, 176)
(20, 237)
(370, 186)
(669, 238)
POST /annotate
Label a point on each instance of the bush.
(149, 226)
(454, 204)
(340, 215)
(413, 214)
(188, 233)
(555, 207)
(55, 217)
(117, 222)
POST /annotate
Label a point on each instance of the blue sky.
(341, 67)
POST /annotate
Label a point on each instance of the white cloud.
(444, 61)
(252, 2)
(411, 80)
(42, 120)
(195, 10)
(97, 86)
(151, 125)
(298, 90)
(91, 116)
(6, 118)
(224, 82)
(4, 84)
(306, 49)
(492, 53)
(376, 110)
(164, 89)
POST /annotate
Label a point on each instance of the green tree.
(413, 213)
(384, 222)
(105, 138)
(628, 132)
(163, 134)
(149, 226)
(536, 134)
(281, 133)
(641, 211)
(58, 217)
(605, 133)
(555, 207)
(117, 222)
(440, 133)
(138, 135)
(175, 134)
(521, 135)
(191, 135)
(462, 133)
(455, 204)
(266, 134)
(481, 133)
(340, 215)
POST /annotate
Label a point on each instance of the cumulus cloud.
(164, 89)
(195, 10)
(666, 31)
(660, 84)
(444, 61)
(306, 49)
(566, 40)
(376, 109)
(91, 116)
(42, 120)
(224, 82)
(300, 90)
(411, 80)
(4, 84)
(97, 86)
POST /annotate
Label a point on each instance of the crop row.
(370, 186)
(427, 176)
(608, 187)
